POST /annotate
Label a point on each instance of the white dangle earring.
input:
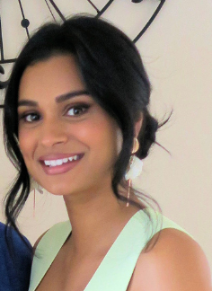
(134, 168)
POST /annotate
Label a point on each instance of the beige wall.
(177, 52)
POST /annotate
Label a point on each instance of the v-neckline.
(128, 241)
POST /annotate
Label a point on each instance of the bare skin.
(48, 128)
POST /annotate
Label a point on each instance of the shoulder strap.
(117, 267)
(46, 251)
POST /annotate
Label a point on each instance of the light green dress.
(116, 269)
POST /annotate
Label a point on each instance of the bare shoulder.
(175, 262)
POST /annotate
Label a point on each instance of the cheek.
(26, 142)
(105, 139)
(93, 133)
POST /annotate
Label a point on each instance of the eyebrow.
(58, 99)
(27, 103)
(69, 95)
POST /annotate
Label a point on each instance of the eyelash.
(82, 107)
(23, 117)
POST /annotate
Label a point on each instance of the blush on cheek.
(27, 145)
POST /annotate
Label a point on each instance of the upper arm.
(176, 262)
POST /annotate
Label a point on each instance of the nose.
(52, 133)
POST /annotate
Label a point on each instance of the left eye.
(77, 110)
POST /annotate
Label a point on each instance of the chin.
(56, 193)
(57, 190)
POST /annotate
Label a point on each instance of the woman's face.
(68, 142)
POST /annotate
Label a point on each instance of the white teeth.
(59, 162)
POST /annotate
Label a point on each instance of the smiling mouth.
(59, 162)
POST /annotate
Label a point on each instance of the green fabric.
(117, 267)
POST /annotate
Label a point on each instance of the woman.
(15, 260)
(76, 115)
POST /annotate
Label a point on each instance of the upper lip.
(57, 156)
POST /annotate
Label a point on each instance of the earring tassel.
(128, 191)
(34, 202)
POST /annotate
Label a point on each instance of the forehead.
(56, 75)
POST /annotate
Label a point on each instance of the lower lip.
(61, 169)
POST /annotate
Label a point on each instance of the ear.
(137, 126)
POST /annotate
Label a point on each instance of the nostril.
(54, 135)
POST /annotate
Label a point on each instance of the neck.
(97, 217)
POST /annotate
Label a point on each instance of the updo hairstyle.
(115, 77)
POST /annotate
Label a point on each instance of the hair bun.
(147, 135)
